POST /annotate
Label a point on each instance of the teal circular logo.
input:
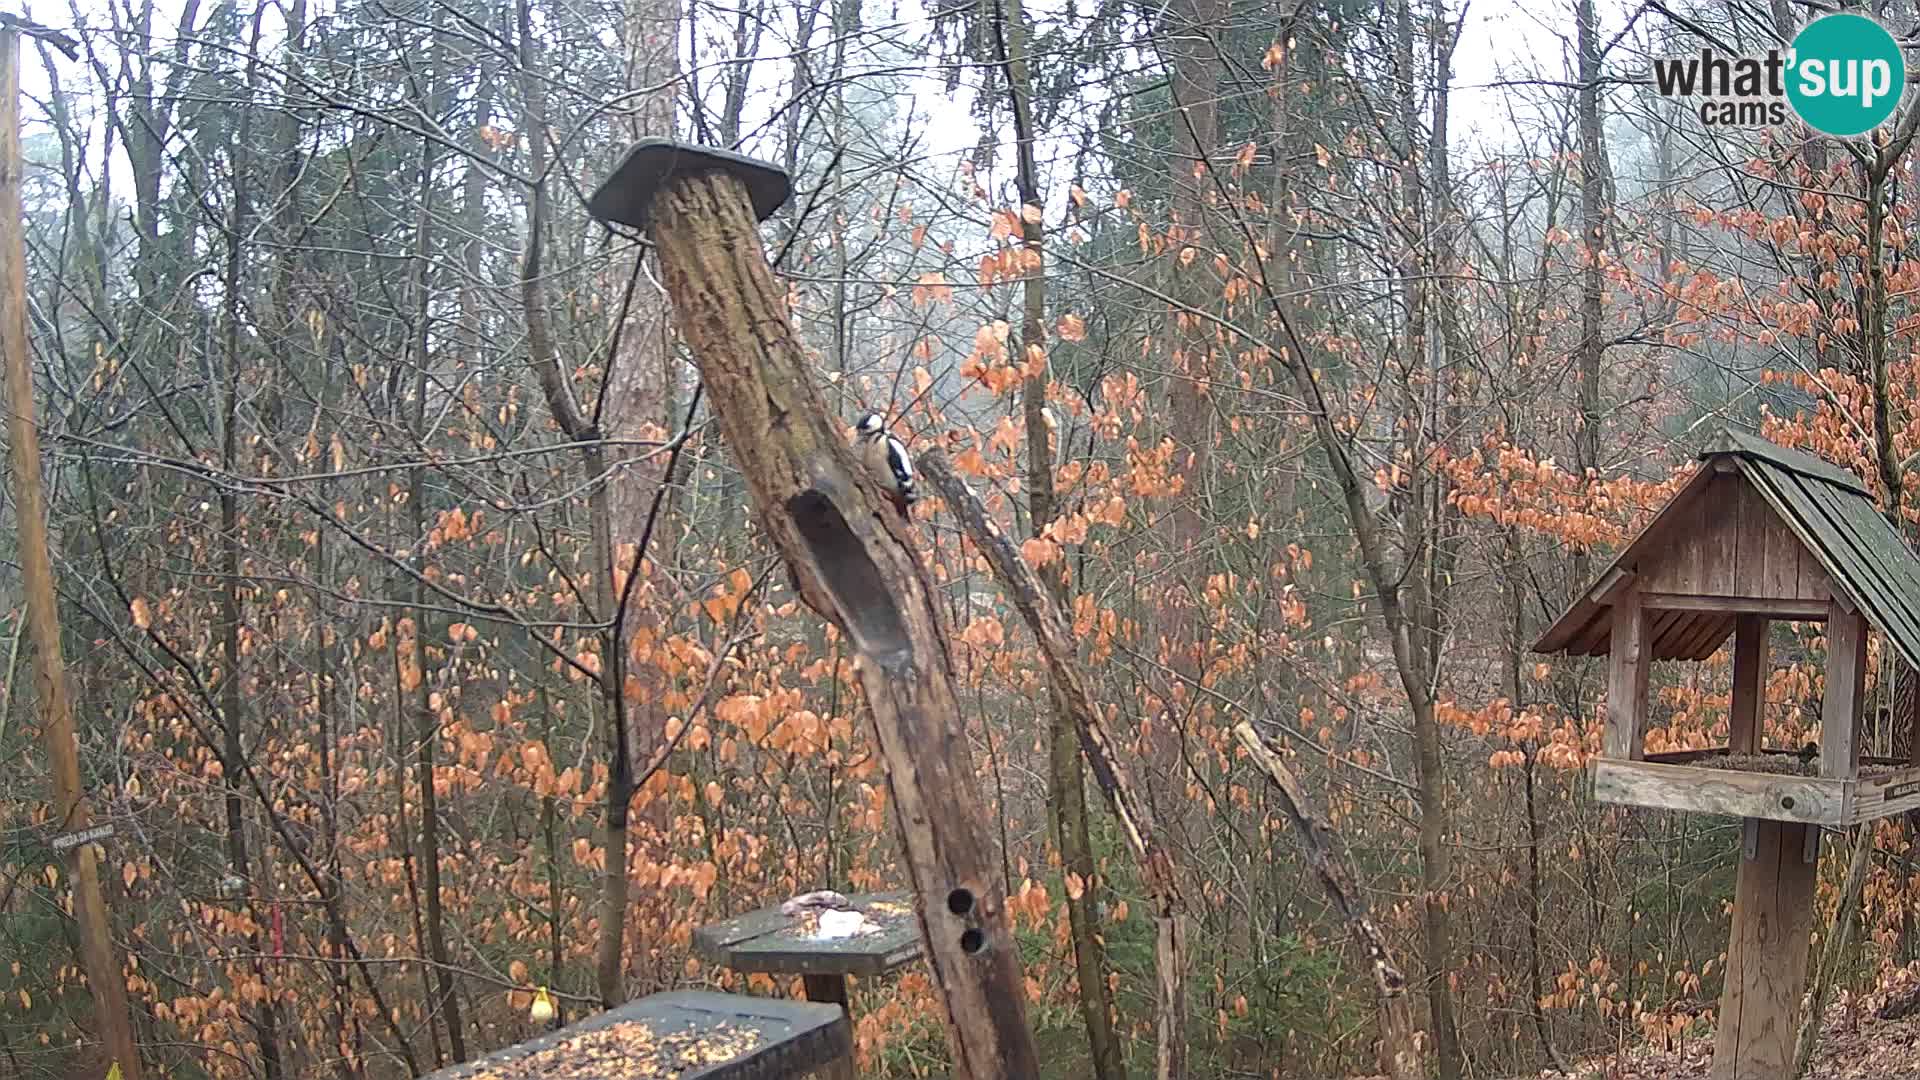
(1845, 74)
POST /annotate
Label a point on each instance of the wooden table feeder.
(772, 942)
(1761, 533)
(681, 1035)
(777, 944)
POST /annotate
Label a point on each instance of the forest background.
(424, 650)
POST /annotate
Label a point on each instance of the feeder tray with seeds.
(681, 1035)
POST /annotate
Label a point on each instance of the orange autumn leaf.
(932, 288)
(1072, 328)
(142, 615)
(984, 633)
(1039, 551)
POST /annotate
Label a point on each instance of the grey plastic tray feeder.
(651, 165)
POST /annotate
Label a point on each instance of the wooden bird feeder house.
(1760, 533)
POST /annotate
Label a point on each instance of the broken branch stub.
(1328, 857)
(1054, 635)
(850, 560)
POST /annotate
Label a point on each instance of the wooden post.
(848, 552)
(1846, 685)
(1747, 717)
(97, 954)
(831, 990)
(1766, 955)
(1628, 657)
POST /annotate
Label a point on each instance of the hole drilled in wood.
(972, 941)
(960, 901)
(1786, 802)
(873, 619)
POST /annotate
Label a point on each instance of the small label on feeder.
(84, 836)
(1903, 789)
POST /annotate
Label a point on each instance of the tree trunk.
(1327, 855)
(1196, 131)
(265, 1019)
(98, 957)
(847, 550)
(1066, 785)
(636, 403)
(346, 1041)
(630, 389)
(427, 721)
(1417, 613)
(1586, 440)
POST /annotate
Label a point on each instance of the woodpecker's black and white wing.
(887, 459)
(900, 464)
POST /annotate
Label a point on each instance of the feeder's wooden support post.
(1846, 687)
(850, 559)
(831, 990)
(1766, 955)
(1748, 715)
(1628, 658)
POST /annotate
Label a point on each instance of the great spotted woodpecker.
(887, 458)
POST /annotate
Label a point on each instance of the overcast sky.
(1501, 40)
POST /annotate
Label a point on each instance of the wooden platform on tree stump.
(681, 1035)
(765, 940)
(1708, 782)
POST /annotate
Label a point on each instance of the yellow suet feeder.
(542, 1010)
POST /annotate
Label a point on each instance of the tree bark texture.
(1593, 236)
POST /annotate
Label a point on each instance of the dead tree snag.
(848, 553)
